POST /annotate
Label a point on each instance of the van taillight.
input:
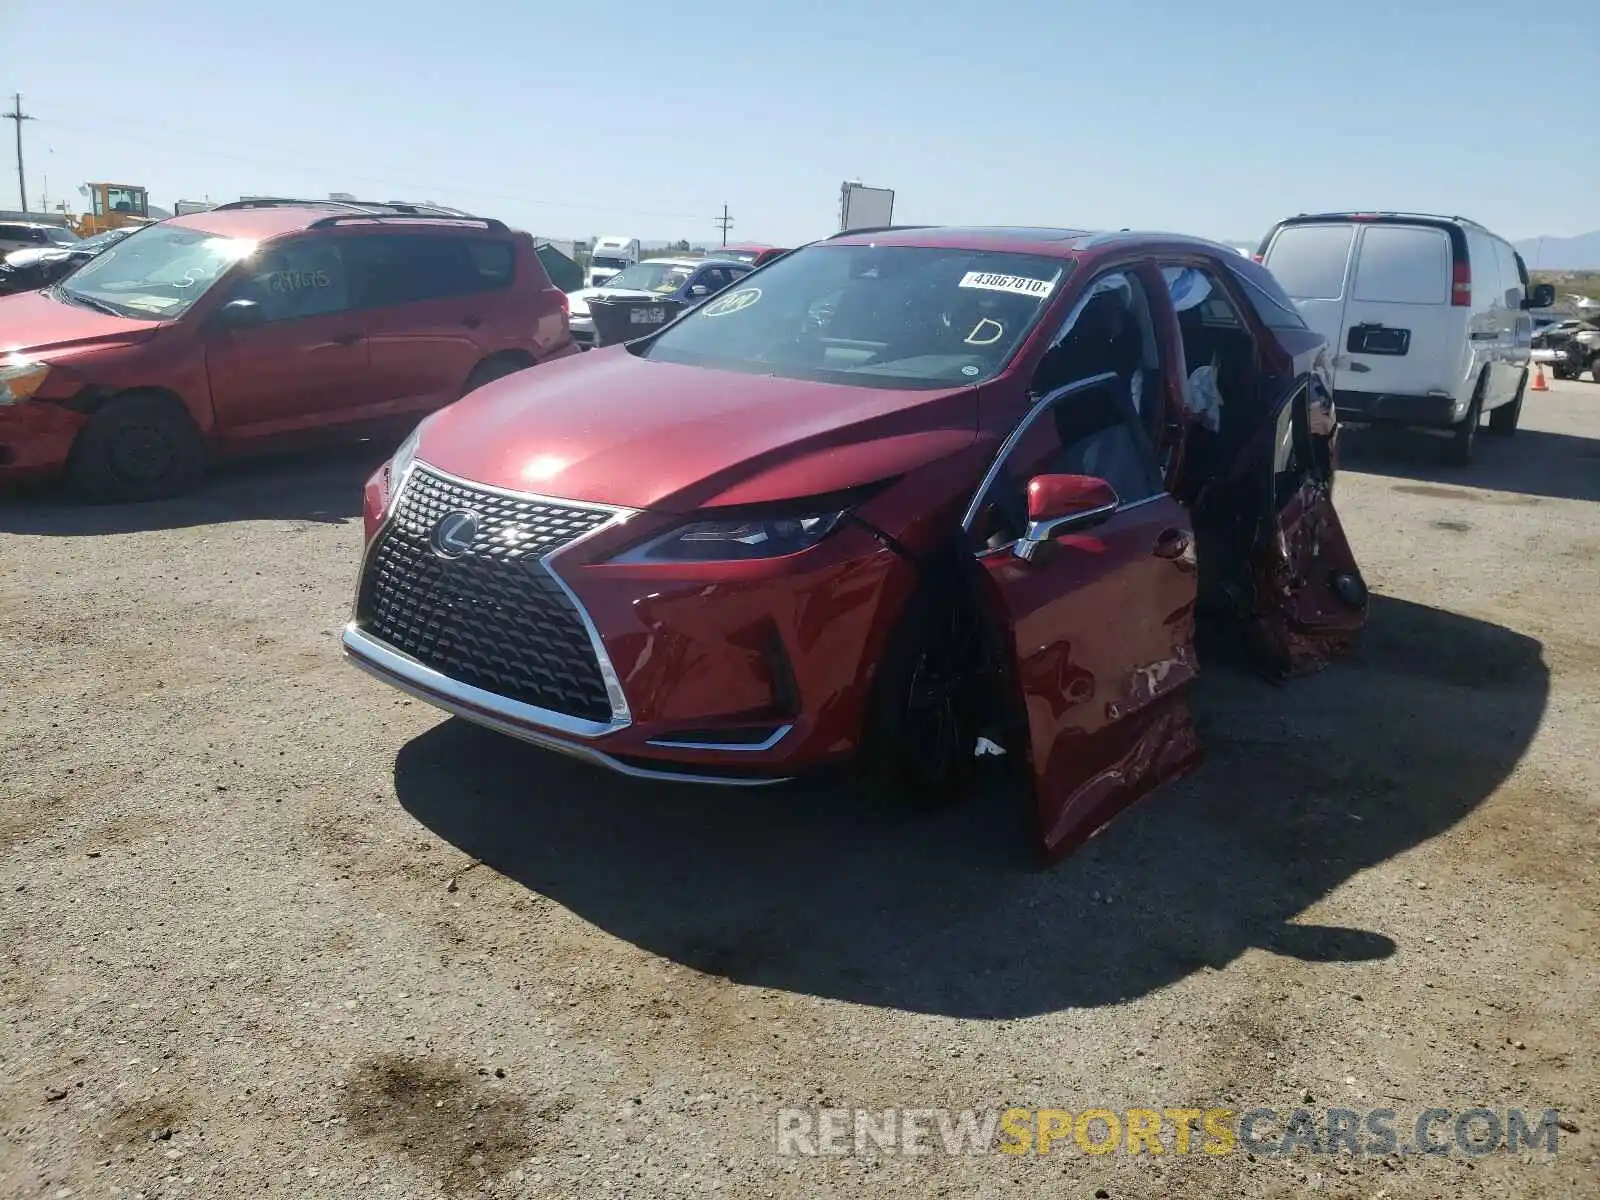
(1461, 285)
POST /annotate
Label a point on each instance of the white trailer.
(611, 255)
(863, 207)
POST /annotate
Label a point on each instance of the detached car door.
(1310, 599)
(304, 363)
(1099, 614)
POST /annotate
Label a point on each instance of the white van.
(610, 255)
(1426, 317)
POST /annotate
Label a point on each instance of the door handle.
(346, 339)
(1172, 543)
(472, 322)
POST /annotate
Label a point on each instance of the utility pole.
(724, 222)
(16, 114)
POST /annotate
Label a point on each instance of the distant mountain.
(1580, 253)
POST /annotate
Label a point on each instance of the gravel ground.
(272, 930)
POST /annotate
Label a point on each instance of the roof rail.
(290, 202)
(873, 229)
(396, 206)
(1382, 212)
(489, 223)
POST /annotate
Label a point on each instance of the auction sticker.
(1020, 284)
(731, 303)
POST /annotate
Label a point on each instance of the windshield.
(652, 277)
(872, 316)
(608, 263)
(62, 237)
(101, 240)
(158, 272)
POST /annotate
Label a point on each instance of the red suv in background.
(229, 329)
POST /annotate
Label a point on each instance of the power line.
(406, 185)
(16, 114)
(724, 222)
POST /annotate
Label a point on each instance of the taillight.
(1461, 285)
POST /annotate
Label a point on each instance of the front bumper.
(520, 721)
(729, 673)
(36, 438)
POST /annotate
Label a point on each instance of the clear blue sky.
(578, 119)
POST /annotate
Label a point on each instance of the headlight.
(400, 465)
(734, 541)
(20, 378)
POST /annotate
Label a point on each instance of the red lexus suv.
(902, 495)
(230, 329)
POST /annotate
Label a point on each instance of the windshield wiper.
(62, 294)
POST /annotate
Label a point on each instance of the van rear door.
(1400, 335)
(1311, 262)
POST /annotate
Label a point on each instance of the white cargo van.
(1426, 317)
(610, 255)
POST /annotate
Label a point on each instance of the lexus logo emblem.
(454, 534)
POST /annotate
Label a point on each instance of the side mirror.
(1541, 295)
(1059, 504)
(239, 314)
(699, 289)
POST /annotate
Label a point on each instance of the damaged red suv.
(258, 321)
(899, 491)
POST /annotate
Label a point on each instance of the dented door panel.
(1102, 628)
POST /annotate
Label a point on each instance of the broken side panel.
(1310, 598)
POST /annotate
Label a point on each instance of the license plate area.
(1378, 339)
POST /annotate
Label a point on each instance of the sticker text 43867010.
(1020, 284)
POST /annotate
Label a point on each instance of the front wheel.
(924, 720)
(139, 446)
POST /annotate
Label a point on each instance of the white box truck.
(610, 255)
(863, 207)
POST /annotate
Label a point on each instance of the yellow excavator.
(111, 206)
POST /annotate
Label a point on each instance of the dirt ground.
(270, 929)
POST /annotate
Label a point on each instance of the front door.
(305, 364)
(1310, 599)
(1100, 620)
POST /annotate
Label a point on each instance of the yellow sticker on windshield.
(1020, 284)
(731, 303)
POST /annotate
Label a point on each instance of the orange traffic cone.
(1539, 385)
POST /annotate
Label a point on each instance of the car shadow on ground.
(1533, 463)
(820, 890)
(322, 485)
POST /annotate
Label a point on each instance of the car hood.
(611, 428)
(578, 301)
(22, 259)
(33, 323)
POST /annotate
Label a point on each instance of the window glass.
(1309, 260)
(1218, 348)
(1273, 307)
(1403, 264)
(159, 271)
(1510, 291)
(389, 269)
(870, 316)
(302, 278)
(714, 279)
(1089, 430)
(659, 277)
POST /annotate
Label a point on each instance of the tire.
(139, 446)
(1459, 451)
(490, 369)
(1503, 420)
(923, 722)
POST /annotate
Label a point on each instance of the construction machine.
(111, 206)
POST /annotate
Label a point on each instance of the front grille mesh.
(493, 618)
